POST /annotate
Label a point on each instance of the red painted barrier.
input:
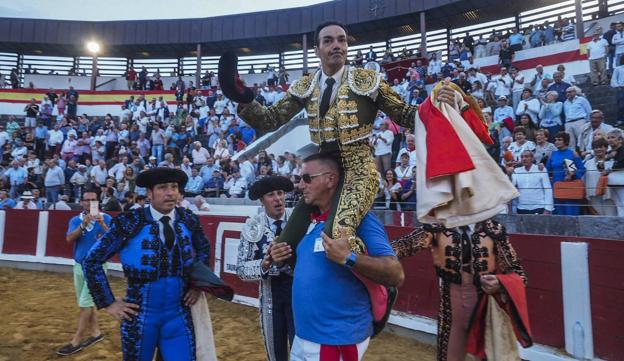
(57, 245)
(20, 232)
(606, 276)
(539, 254)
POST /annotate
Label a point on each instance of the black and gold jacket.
(350, 116)
(491, 251)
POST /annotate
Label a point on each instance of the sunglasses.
(307, 178)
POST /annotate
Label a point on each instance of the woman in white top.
(529, 105)
(283, 166)
(602, 204)
(484, 107)
(392, 190)
(221, 150)
(226, 120)
(521, 143)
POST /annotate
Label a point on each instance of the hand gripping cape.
(458, 183)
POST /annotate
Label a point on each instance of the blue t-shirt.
(86, 240)
(330, 305)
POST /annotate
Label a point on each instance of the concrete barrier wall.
(31, 236)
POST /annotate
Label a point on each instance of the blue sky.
(103, 10)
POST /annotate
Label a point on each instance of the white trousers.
(303, 350)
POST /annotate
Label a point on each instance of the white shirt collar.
(157, 215)
(337, 76)
(272, 220)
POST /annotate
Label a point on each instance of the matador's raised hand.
(447, 94)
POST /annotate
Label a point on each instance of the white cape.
(467, 197)
(202, 323)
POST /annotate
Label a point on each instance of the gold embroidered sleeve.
(267, 119)
(390, 102)
(506, 257)
(412, 243)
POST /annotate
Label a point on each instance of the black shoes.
(70, 349)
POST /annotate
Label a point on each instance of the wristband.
(350, 261)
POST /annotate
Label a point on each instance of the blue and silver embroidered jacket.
(144, 257)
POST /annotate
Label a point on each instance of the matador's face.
(332, 47)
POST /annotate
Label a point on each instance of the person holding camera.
(83, 230)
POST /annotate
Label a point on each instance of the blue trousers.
(157, 151)
(162, 321)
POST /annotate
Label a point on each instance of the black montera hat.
(269, 184)
(151, 177)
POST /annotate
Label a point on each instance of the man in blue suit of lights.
(157, 247)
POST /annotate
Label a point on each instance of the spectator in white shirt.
(517, 87)
(219, 104)
(618, 41)
(521, 143)
(200, 154)
(474, 75)
(199, 204)
(503, 110)
(99, 174)
(410, 149)
(435, 65)
(382, 143)
(596, 122)
(137, 109)
(404, 170)
(284, 167)
(536, 195)
(26, 202)
(529, 105)
(617, 82)
(5, 137)
(125, 114)
(55, 139)
(537, 81)
(248, 169)
(503, 83)
(235, 185)
(597, 51)
(602, 204)
(117, 171)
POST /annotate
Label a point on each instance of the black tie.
(326, 96)
(168, 231)
(278, 227)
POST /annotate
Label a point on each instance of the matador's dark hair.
(325, 24)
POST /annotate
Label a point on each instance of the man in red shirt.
(131, 78)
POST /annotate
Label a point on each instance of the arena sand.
(38, 314)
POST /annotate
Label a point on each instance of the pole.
(580, 31)
(304, 46)
(423, 35)
(94, 71)
(198, 68)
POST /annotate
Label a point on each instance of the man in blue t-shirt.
(83, 230)
(331, 306)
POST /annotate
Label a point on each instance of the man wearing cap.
(503, 110)
(26, 201)
(158, 245)
(254, 264)
(235, 184)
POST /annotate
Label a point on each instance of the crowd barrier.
(575, 292)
